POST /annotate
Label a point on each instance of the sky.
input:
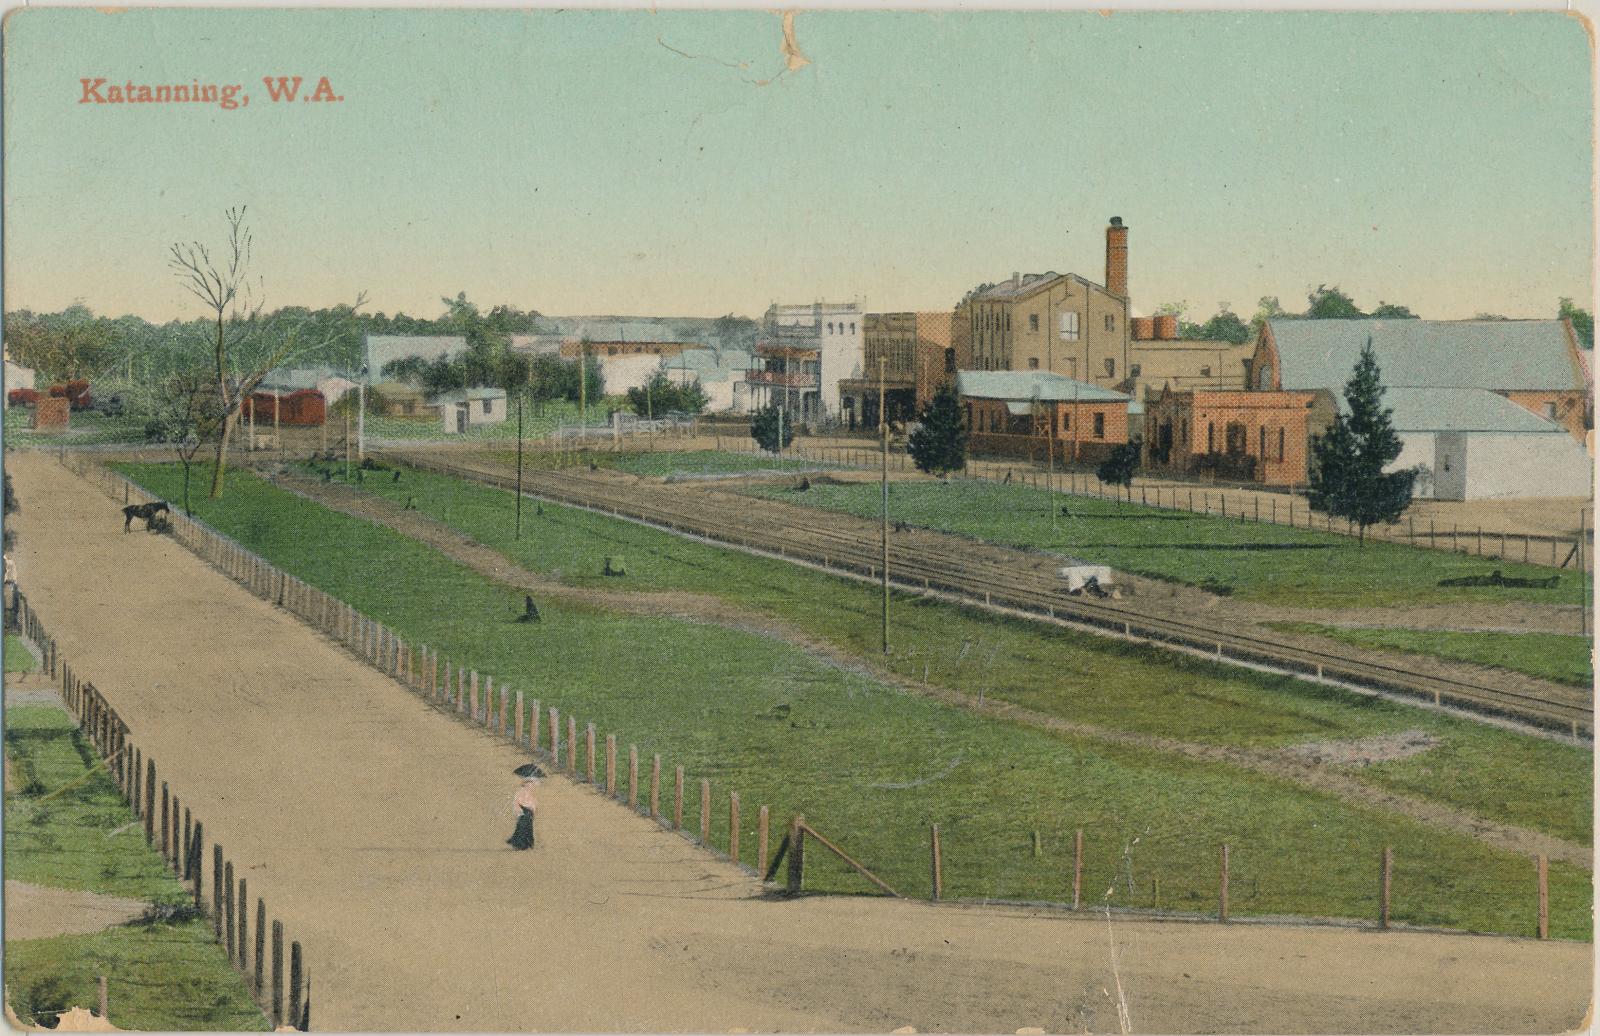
(668, 163)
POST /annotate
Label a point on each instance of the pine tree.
(939, 445)
(1347, 477)
(764, 426)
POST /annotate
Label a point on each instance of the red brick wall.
(51, 412)
(1569, 407)
(1209, 414)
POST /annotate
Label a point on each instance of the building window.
(1280, 444)
(852, 327)
(1033, 363)
(1033, 321)
(1066, 421)
(1133, 370)
(1211, 437)
(949, 361)
(1099, 425)
(1205, 372)
(1263, 438)
(488, 406)
(1111, 368)
(830, 327)
(1069, 325)
(1111, 322)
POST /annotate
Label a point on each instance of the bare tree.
(247, 343)
(182, 413)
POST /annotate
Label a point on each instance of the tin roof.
(1031, 385)
(1485, 354)
(1459, 410)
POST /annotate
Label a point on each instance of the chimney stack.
(1016, 280)
(1117, 258)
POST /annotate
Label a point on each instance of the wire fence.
(173, 831)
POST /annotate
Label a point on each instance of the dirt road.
(373, 826)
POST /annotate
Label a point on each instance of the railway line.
(1014, 587)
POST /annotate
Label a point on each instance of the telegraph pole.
(883, 426)
(520, 396)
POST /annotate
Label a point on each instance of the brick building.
(920, 358)
(1025, 413)
(1233, 435)
(1056, 322)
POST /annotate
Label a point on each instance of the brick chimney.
(1117, 258)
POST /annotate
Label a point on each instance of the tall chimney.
(1117, 258)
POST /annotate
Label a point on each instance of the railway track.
(1035, 592)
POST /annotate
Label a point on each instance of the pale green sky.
(571, 162)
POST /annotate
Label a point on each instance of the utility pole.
(883, 426)
(583, 384)
(1050, 477)
(520, 396)
(347, 441)
(361, 416)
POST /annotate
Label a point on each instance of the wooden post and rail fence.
(177, 837)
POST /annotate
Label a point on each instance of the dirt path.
(373, 825)
(37, 912)
(1286, 764)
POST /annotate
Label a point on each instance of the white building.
(836, 331)
(470, 408)
(1473, 444)
(721, 376)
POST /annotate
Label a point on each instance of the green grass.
(1551, 656)
(18, 658)
(1271, 564)
(872, 766)
(669, 462)
(85, 429)
(162, 977)
(66, 827)
(1075, 677)
(84, 837)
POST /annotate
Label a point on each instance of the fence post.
(761, 842)
(1077, 868)
(473, 698)
(733, 826)
(295, 973)
(186, 869)
(175, 859)
(216, 889)
(533, 725)
(611, 766)
(572, 744)
(633, 777)
(555, 737)
(797, 857)
(243, 911)
(677, 799)
(938, 867)
(705, 811)
(231, 942)
(655, 786)
(150, 802)
(166, 829)
(277, 974)
(588, 745)
(261, 945)
(1222, 902)
(505, 704)
(104, 997)
(1385, 871)
(1543, 866)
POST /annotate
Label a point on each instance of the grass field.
(1552, 656)
(538, 421)
(1075, 677)
(18, 659)
(668, 462)
(66, 827)
(873, 766)
(1272, 564)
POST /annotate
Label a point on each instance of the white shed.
(1474, 444)
(470, 408)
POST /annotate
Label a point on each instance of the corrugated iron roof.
(1030, 385)
(1488, 354)
(1459, 410)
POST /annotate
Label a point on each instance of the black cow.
(143, 511)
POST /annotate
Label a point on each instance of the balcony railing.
(781, 380)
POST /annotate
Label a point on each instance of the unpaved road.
(37, 911)
(373, 826)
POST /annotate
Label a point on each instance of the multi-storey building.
(804, 352)
(1057, 322)
(917, 357)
